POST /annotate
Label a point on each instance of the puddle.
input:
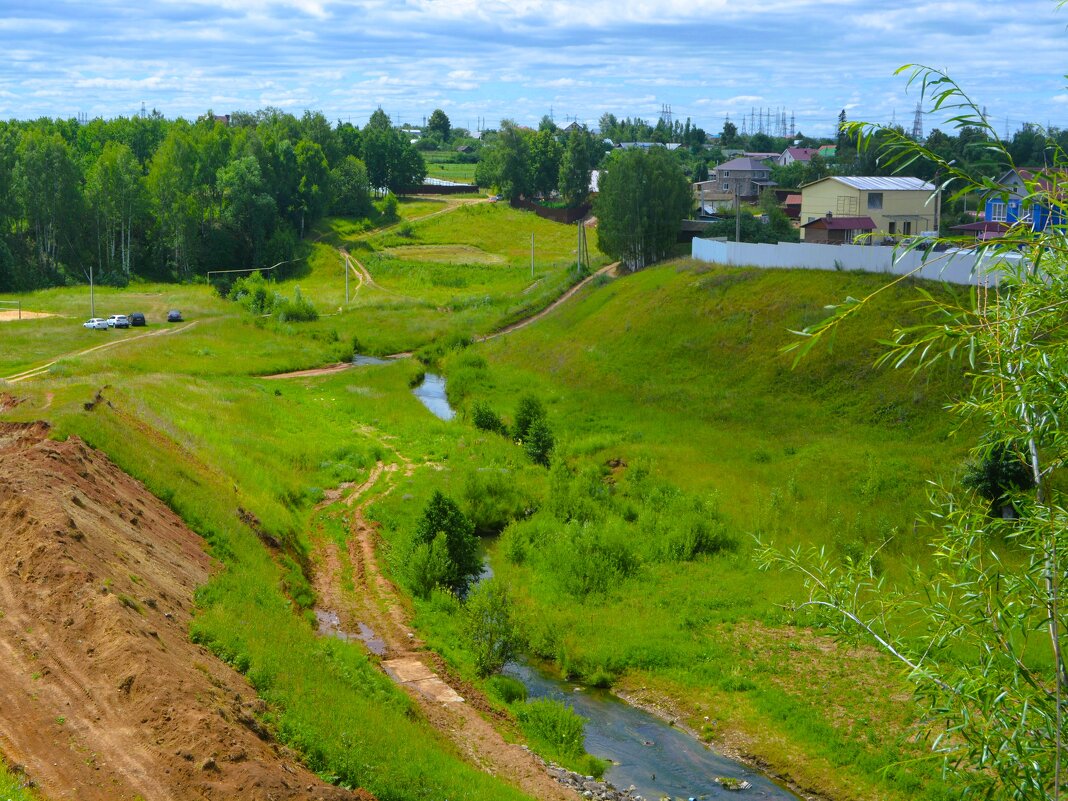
(431, 393)
(330, 626)
(367, 361)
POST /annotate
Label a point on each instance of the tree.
(313, 191)
(443, 518)
(576, 165)
(47, 185)
(529, 411)
(490, 627)
(439, 124)
(247, 207)
(539, 442)
(392, 162)
(351, 189)
(729, 135)
(984, 640)
(643, 198)
(545, 154)
(115, 193)
(505, 162)
(170, 186)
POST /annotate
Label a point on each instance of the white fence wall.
(952, 266)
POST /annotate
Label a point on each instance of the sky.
(484, 60)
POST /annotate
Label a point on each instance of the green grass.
(11, 788)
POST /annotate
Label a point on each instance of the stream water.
(431, 392)
(367, 361)
(647, 752)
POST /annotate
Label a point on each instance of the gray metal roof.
(888, 184)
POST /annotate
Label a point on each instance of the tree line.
(171, 199)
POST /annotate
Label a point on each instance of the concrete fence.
(951, 266)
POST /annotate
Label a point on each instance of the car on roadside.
(137, 319)
(118, 321)
(174, 316)
(97, 323)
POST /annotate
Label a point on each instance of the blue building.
(1037, 205)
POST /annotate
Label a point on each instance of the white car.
(99, 323)
(118, 321)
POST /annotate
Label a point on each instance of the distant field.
(448, 254)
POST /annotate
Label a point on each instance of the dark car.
(136, 319)
(174, 316)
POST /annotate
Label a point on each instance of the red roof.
(986, 226)
(802, 153)
(842, 223)
(792, 199)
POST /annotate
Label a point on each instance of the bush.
(298, 310)
(443, 517)
(490, 627)
(428, 566)
(539, 442)
(506, 688)
(553, 725)
(492, 499)
(389, 206)
(486, 419)
(529, 411)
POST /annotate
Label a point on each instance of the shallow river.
(432, 394)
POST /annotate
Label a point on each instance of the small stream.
(431, 393)
(646, 752)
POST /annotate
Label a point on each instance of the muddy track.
(374, 602)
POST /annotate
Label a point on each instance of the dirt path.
(41, 369)
(551, 307)
(376, 609)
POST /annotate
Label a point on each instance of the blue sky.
(492, 59)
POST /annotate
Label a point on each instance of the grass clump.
(557, 732)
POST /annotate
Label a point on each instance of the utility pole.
(737, 217)
(347, 268)
(532, 255)
(92, 297)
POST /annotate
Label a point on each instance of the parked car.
(137, 319)
(99, 323)
(174, 316)
(118, 321)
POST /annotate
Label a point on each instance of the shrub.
(298, 310)
(539, 442)
(389, 206)
(484, 418)
(492, 499)
(490, 628)
(443, 517)
(553, 725)
(506, 688)
(529, 411)
(428, 566)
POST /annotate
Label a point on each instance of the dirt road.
(375, 611)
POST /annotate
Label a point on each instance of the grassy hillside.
(673, 378)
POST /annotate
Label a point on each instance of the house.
(711, 200)
(1018, 203)
(792, 206)
(648, 145)
(761, 156)
(898, 206)
(792, 154)
(828, 152)
(745, 177)
(831, 230)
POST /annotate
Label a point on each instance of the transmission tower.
(917, 123)
(793, 125)
(665, 114)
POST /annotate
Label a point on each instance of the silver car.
(99, 323)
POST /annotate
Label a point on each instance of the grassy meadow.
(681, 434)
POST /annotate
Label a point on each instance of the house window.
(726, 187)
(893, 228)
(906, 228)
(875, 200)
(726, 173)
(998, 212)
